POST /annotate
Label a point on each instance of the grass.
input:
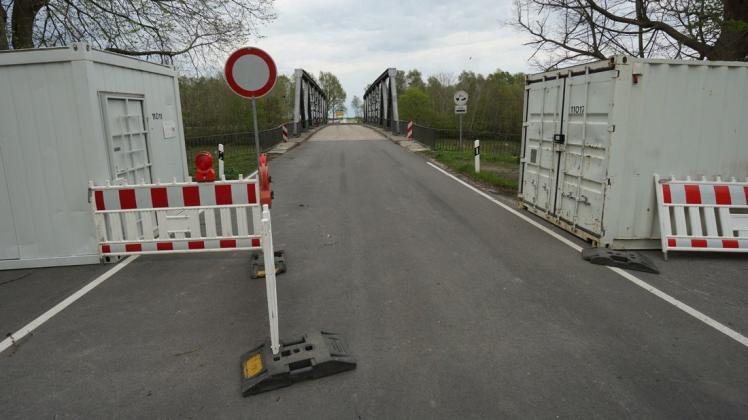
(497, 170)
(237, 160)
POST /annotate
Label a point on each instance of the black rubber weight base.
(622, 259)
(315, 355)
(257, 267)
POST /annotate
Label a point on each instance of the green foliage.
(334, 92)
(496, 170)
(414, 105)
(495, 103)
(413, 79)
(210, 107)
(239, 159)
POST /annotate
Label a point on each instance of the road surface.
(454, 308)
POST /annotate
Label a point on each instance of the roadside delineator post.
(285, 132)
(410, 130)
(476, 148)
(220, 161)
(251, 73)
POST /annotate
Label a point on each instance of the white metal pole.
(220, 161)
(272, 296)
(476, 147)
(257, 134)
(460, 132)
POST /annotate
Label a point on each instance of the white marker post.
(251, 73)
(221, 174)
(476, 147)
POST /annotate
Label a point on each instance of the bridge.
(456, 305)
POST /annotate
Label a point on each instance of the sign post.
(461, 98)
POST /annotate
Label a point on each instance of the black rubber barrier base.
(257, 267)
(622, 259)
(315, 355)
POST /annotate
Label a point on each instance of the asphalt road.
(453, 307)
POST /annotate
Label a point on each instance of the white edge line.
(41, 319)
(511, 210)
(623, 273)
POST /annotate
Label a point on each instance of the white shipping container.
(69, 115)
(594, 135)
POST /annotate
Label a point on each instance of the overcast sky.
(358, 40)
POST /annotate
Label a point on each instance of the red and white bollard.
(410, 130)
(285, 132)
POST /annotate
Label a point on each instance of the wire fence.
(240, 156)
(508, 144)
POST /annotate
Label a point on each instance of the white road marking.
(31, 326)
(623, 273)
(511, 210)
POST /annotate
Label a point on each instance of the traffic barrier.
(707, 216)
(410, 130)
(176, 217)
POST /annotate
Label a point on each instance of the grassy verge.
(237, 160)
(497, 170)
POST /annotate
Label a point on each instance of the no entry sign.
(250, 72)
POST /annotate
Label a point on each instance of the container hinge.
(612, 128)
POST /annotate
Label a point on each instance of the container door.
(127, 138)
(8, 238)
(544, 132)
(583, 166)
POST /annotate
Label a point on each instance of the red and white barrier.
(188, 217)
(410, 130)
(702, 215)
(285, 132)
(177, 217)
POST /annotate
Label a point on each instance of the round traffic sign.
(250, 72)
(461, 97)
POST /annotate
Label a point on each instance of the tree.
(574, 30)
(413, 79)
(209, 106)
(358, 106)
(334, 92)
(198, 29)
(414, 106)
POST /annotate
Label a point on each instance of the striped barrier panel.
(284, 129)
(703, 215)
(410, 130)
(177, 217)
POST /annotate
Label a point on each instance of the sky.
(358, 40)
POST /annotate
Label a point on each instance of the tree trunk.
(733, 41)
(3, 30)
(22, 27)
